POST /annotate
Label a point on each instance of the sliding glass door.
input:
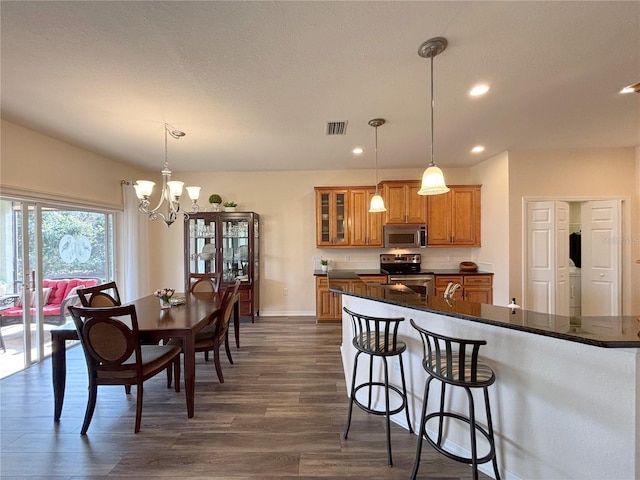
(44, 246)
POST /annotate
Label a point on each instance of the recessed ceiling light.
(358, 151)
(631, 88)
(477, 149)
(479, 90)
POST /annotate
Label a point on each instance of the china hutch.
(228, 243)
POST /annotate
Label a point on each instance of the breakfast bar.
(566, 402)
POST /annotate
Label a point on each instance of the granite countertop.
(438, 271)
(456, 271)
(611, 332)
(353, 273)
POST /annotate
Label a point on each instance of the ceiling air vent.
(336, 128)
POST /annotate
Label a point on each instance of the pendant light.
(377, 202)
(432, 178)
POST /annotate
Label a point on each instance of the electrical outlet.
(285, 292)
(347, 258)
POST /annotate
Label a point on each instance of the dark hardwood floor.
(280, 413)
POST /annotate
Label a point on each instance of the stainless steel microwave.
(405, 236)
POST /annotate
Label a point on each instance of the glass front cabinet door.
(227, 243)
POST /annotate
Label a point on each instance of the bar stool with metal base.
(377, 337)
(455, 362)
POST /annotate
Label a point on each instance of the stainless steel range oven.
(406, 269)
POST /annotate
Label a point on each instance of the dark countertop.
(611, 332)
(455, 271)
(349, 273)
(439, 271)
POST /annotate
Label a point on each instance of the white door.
(546, 277)
(601, 257)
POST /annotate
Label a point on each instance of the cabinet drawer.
(373, 278)
(480, 280)
(443, 280)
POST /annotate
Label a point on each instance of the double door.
(227, 243)
(453, 218)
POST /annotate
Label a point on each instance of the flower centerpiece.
(164, 295)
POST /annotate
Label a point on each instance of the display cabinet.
(227, 243)
(331, 217)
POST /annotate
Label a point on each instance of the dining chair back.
(211, 337)
(100, 296)
(205, 282)
(114, 355)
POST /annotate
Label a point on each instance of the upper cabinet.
(365, 228)
(343, 218)
(331, 217)
(403, 203)
(454, 218)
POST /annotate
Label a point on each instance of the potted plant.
(230, 206)
(215, 200)
(324, 264)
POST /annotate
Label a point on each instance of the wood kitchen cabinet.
(403, 203)
(329, 304)
(453, 218)
(332, 217)
(475, 287)
(365, 229)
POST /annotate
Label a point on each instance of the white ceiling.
(253, 83)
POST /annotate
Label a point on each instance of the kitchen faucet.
(450, 290)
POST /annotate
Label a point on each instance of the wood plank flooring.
(280, 413)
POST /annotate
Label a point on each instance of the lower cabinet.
(328, 304)
(246, 301)
(475, 288)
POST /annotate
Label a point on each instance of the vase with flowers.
(165, 294)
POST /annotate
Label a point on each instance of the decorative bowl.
(468, 267)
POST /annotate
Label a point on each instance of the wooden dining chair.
(105, 295)
(205, 282)
(212, 337)
(114, 355)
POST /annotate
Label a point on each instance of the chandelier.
(171, 189)
(432, 178)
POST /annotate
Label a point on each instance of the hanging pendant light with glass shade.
(432, 178)
(377, 202)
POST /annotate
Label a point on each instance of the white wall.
(37, 166)
(493, 175)
(286, 203)
(572, 174)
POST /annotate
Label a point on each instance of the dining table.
(155, 324)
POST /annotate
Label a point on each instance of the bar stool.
(377, 337)
(454, 362)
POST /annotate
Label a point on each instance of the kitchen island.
(566, 401)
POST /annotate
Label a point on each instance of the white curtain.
(136, 247)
